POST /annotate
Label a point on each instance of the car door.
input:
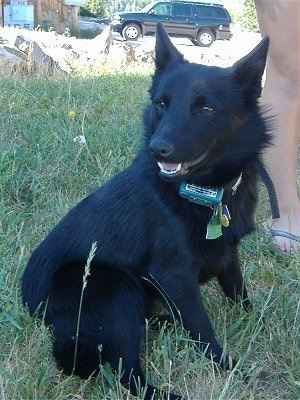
(183, 20)
(161, 12)
(215, 17)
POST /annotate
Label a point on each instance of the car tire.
(131, 32)
(205, 38)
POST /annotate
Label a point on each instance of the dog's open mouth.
(172, 170)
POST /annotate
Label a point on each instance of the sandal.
(280, 233)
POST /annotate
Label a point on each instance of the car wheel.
(205, 38)
(131, 32)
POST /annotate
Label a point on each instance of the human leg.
(281, 96)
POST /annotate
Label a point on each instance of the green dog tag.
(214, 228)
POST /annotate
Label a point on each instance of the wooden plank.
(1, 14)
(74, 17)
(38, 12)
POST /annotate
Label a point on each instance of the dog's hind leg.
(232, 282)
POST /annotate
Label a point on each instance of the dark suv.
(203, 23)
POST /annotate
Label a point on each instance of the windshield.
(148, 7)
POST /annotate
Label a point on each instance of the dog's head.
(204, 116)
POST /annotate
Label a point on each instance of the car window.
(211, 12)
(162, 9)
(147, 8)
(184, 10)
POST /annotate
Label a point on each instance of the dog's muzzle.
(165, 152)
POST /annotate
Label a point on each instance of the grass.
(44, 172)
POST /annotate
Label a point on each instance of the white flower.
(80, 140)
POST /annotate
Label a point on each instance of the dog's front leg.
(186, 302)
(232, 282)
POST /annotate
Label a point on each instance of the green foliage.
(92, 8)
(114, 6)
(85, 12)
(44, 172)
(101, 8)
(235, 9)
(249, 20)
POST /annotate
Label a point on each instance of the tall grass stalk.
(87, 270)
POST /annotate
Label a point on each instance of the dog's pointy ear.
(248, 71)
(166, 53)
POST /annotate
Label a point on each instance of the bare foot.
(289, 223)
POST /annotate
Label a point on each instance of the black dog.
(168, 228)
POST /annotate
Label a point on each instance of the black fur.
(143, 228)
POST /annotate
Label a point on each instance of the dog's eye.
(208, 109)
(160, 105)
(204, 109)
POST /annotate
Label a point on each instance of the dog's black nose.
(161, 149)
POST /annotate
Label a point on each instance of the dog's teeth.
(169, 169)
